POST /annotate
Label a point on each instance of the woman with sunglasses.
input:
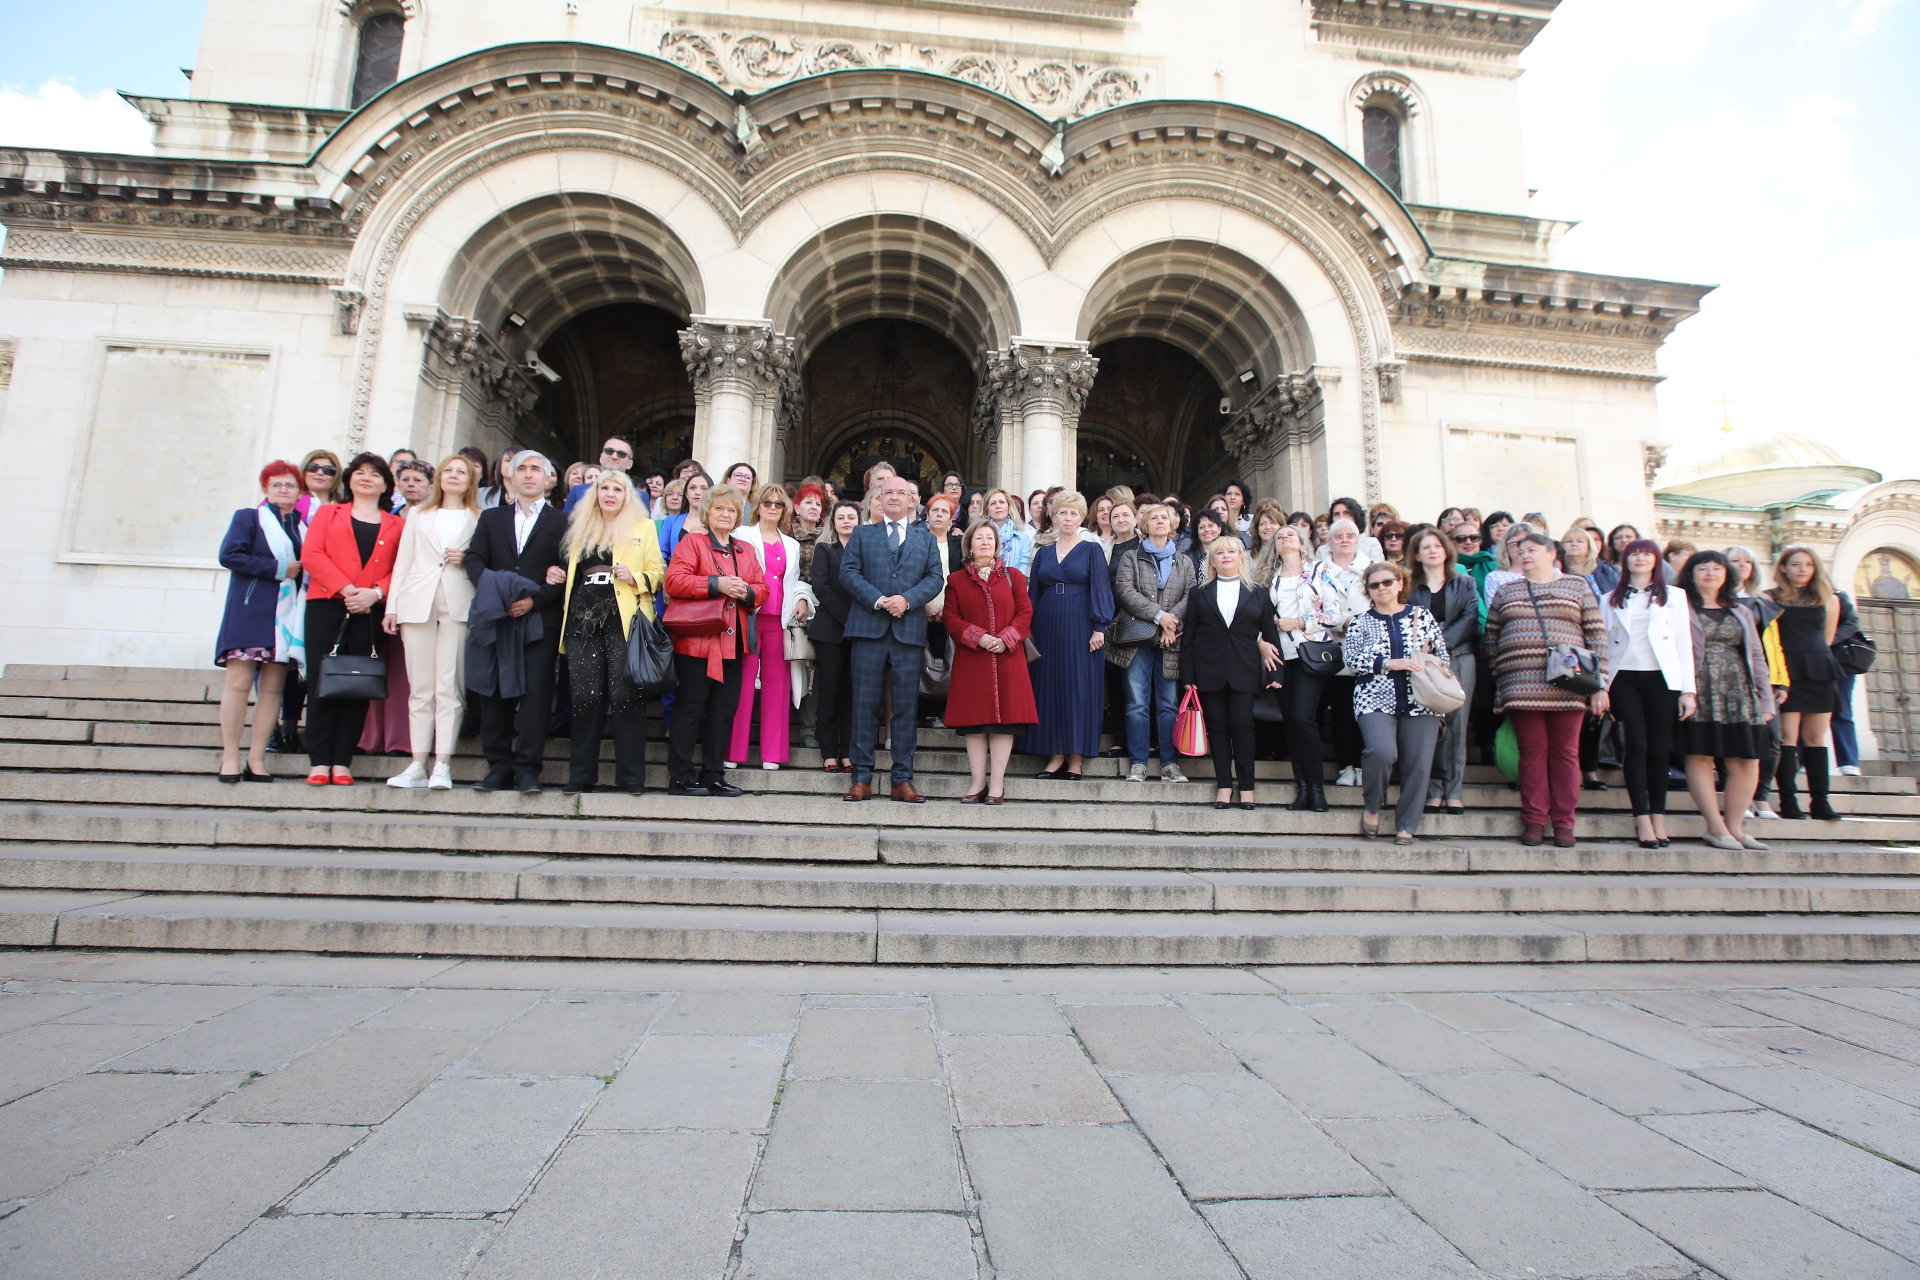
(1384, 646)
(320, 482)
(790, 602)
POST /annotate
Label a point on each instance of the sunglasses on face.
(322, 469)
(1384, 582)
(615, 453)
(1464, 538)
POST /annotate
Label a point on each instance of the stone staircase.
(116, 834)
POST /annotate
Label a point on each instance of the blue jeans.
(1846, 740)
(1148, 691)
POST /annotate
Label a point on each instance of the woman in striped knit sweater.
(1526, 618)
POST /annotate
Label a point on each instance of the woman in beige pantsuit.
(429, 603)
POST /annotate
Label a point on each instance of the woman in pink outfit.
(789, 603)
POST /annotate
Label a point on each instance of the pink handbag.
(1190, 726)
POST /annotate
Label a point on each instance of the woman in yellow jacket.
(613, 570)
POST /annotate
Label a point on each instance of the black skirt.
(1728, 741)
(1813, 697)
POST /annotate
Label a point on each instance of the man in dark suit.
(890, 570)
(523, 536)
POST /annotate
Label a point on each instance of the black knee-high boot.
(1815, 759)
(1783, 777)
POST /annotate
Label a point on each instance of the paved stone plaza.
(339, 1118)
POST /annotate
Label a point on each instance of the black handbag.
(650, 656)
(1127, 629)
(1322, 657)
(1856, 653)
(1268, 708)
(348, 677)
(1569, 667)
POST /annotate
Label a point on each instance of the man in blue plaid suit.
(891, 570)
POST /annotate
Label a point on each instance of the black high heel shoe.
(228, 778)
(248, 775)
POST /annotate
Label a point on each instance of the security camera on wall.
(538, 366)
(1226, 406)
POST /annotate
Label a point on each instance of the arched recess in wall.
(1388, 129)
(1179, 327)
(376, 38)
(892, 314)
(597, 288)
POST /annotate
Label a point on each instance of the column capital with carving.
(746, 352)
(1280, 416)
(1049, 375)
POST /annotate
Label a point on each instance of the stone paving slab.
(1351, 1238)
(261, 1034)
(338, 1248)
(34, 1057)
(1329, 1078)
(1616, 1077)
(1799, 1047)
(857, 1246)
(362, 1076)
(871, 1044)
(1877, 1123)
(460, 1146)
(67, 1129)
(695, 1082)
(861, 1145)
(569, 1035)
(1750, 1235)
(1026, 1080)
(658, 1205)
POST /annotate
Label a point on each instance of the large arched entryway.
(886, 391)
(1151, 422)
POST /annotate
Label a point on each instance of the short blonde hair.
(721, 495)
(1224, 544)
(1153, 509)
(1068, 500)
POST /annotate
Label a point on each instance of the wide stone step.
(630, 932)
(414, 875)
(1059, 808)
(291, 831)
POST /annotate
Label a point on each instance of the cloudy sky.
(1765, 146)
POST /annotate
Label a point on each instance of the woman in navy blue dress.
(1072, 605)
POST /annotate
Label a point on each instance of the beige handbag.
(1436, 688)
(799, 648)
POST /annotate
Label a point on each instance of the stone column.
(743, 373)
(1274, 438)
(1031, 394)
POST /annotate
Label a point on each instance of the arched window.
(378, 61)
(1380, 130)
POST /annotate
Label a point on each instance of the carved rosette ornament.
(1282, 415)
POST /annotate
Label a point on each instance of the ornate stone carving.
(1057, 377)
(142, 255)
(1390, 371)
(1655, 458)
(1062, 83)
(347, 306)
(1436, 26)
(459, 350)
(718, 351)
(1285, 413)
(8, 347)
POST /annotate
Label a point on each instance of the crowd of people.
(504, 594)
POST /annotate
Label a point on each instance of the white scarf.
(290, 611)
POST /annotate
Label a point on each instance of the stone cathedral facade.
(1044, 242)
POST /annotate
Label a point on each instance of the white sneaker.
(413, 776)
(442, 779)
(729, 764)
(1764, 814)
(1349, 777)
(769, 766)
(1138, 773)
(1850, 770)
(1170, 772)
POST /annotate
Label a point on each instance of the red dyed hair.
(278, 467)
(806, 489)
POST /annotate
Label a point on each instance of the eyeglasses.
(322, 468)
(1464, 538)
(1384, 582)
(615, 453)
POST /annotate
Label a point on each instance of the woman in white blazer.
(428, 606)
(790, 602)
(1650, 679)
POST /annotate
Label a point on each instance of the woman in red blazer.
(349, 556)
(713, 565)
(989, 615)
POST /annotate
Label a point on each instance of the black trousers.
(1301, 697)
(1229, 715)
(1347, 743)
(1647, 711)
(702, 711)
(833, 696)
(513, 731)
(629, 745)
(334, 724)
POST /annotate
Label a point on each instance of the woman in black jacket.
(1230, 651)
(832, 654)
(1450, 596)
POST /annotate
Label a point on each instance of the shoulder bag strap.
(1545, 638)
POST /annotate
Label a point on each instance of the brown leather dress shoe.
(905, 794)
(858, 791)
(1533, 833)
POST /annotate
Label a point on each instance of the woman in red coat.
(349, 554)
(989, 615)
(713, 565)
